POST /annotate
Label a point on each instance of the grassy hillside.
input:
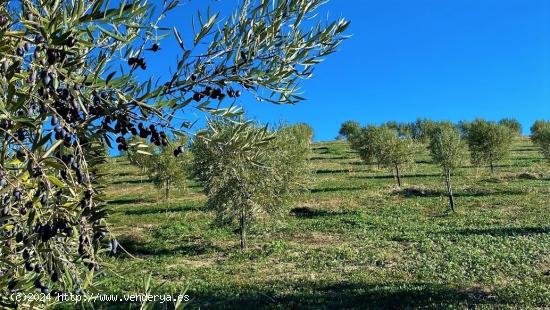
(354, 241)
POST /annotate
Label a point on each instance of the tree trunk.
(242, 225)
(492, 168)
(167, 190)
(449, 189)
(398, 175)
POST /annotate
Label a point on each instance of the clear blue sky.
(451, 59)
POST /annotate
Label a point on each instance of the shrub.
(69, 84)
(488, 142)
(247, 170)
(448, 151)
(540, 135)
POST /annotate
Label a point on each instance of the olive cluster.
(157, 137)
(70, 162)
(215, 93)
(135, 62)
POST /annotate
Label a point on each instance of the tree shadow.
(164, 208)
(389, 176)
(335, 189)
(126, 201)
(138, 247)
(502, 231)
(422, 192)
(307, 212)
(330, 171)
(144, 181)
(424, 162)
(344, 295)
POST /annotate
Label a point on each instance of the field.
(353, 241)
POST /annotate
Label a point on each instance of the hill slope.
(354, 241)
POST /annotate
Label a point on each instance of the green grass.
(359, 243)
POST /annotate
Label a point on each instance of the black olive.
(12, 283)
(71, 41)
(54, 276)
(19, 237)
(28, 266)
(26, 254)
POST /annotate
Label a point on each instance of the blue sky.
(444, 60)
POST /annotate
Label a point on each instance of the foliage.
(247, 170)
(395, 152)
(446, 147)
(448, 151)
(513, 124)
(540, 135)
(420, 129)
(383, 146)
(167, 166)
(368, 143)
(138, 153)
(402, 129)
(488, 142)
(349, 129)
(69, 85)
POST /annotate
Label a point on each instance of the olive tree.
(167, 166)
(74, 78)
(349, 129)
(513, 124)
(488, 142)
(368, 143)
(447, 150)
(395, 152)
(420, 129)
(540, 135)
(385, 147)
(138, 154)
(248, 170)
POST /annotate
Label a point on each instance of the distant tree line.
(394, 145)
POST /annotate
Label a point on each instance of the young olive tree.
(138, 154)
(540, 135)
(488, 142)
(69, 85)
(448, 150)
(167, 166)
(395, 152)
(368, 143)
(247, 170)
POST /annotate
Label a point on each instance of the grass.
(354, 241)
